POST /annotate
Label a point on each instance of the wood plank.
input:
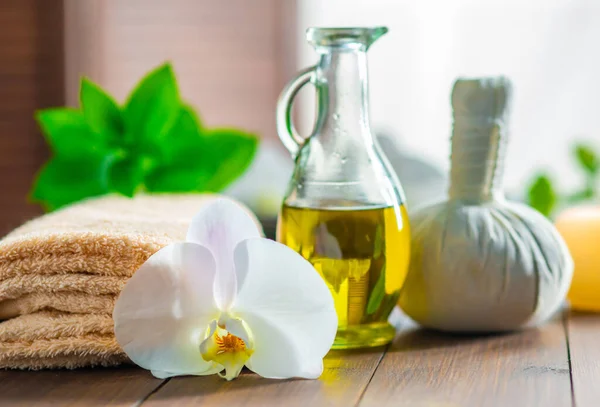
(425, 368)
(583, 332)
(125, 386)
(345, 377)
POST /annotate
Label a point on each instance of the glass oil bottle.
(344, 209)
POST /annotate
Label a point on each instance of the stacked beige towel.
(60, 275)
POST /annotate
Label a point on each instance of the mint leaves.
(543, 195)
(101, 112)
(153, 106)
(587, 159)
(154, 143)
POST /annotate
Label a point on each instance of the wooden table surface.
(557, 364)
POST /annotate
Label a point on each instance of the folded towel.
(60, 275)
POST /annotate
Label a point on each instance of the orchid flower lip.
(230, 349)
(223, 299)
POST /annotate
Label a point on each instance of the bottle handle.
(285, 127)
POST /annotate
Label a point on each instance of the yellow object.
(580, 227)
(363, 255)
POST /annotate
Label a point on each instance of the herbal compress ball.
(480, 263)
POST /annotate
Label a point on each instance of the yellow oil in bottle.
(363, 255)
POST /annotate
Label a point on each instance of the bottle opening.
(344, 37)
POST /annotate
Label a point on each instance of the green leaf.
(581, 196)
(228, 154)
(153, 107)
(542, 195)
(388, 304)
(182, 168)
(66, 180)
(204, 163)
(68, 133)
(177, 179)
(184, 141)
(378, 244)
(377, 294)
(126, 175)
(100, 110)
(587, 159)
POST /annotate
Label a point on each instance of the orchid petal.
(163, 311)
(216, 368)
(280, 353)
(208, 344)
(288, 308)
(220, 226)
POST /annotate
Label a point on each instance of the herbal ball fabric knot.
(480, 263)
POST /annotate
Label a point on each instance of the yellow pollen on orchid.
(227, 350)
(229, 343)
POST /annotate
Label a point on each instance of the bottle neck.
(342, 92)
(477, 159)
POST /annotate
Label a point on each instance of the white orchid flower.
(223, 299)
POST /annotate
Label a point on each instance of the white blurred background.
(549, 48)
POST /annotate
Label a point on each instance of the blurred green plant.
(155, 142)
(543, 195)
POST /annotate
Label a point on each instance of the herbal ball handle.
(285, 128)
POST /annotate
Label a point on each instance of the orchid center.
(225, 348)
(229, 343)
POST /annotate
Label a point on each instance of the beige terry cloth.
(60, 275)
